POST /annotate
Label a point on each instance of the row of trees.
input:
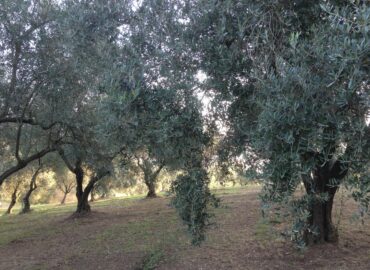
(49, 183)
(94, 83)
(97, 83)
(23, 185)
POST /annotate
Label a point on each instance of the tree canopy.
(98, 82)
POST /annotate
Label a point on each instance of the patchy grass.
(138, 233)
(263, 231)
(152, 260)
(15, 227)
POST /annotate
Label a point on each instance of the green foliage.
(96, 81)
(292, 80)
(192, 200)
(152, 260)
(316, 100)
(101, 82)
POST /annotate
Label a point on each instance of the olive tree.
(35, 88)
(292, 78)
(316, 104)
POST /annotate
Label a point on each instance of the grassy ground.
(138, 233)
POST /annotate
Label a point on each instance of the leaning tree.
(32, 186)
(13, 188)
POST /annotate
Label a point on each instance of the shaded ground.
(147, 234)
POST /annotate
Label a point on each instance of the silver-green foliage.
(294, 76)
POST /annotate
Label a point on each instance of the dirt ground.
(147, 234)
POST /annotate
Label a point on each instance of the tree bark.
(82, 194)
(83, 206)
(13, 201)
(320, 226)
(82, 201)
(150, 183)
(150, 179)
(26, 205)
(150, 176)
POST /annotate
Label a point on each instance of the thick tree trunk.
(82, 200)
(320, 226)
(83, 206)
(150, 179)
(82, 194)
(150, 176)
(150, 183)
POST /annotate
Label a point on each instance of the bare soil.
(147, 234)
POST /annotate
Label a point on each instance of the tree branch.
(29, 121)
(24, 163)
(65, 159)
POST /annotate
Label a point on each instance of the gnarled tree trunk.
(82, 200)
(320, 225)
(320, 222)
(26, 206)
(82, 194)
(150, 183)
(83, 206)
(150, 176)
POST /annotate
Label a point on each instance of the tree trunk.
(320, 226)
(64, 198)
(12, 202)
(26, 206)
(150, 179)
(151, 189)
(82, 200)
(83, 206)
